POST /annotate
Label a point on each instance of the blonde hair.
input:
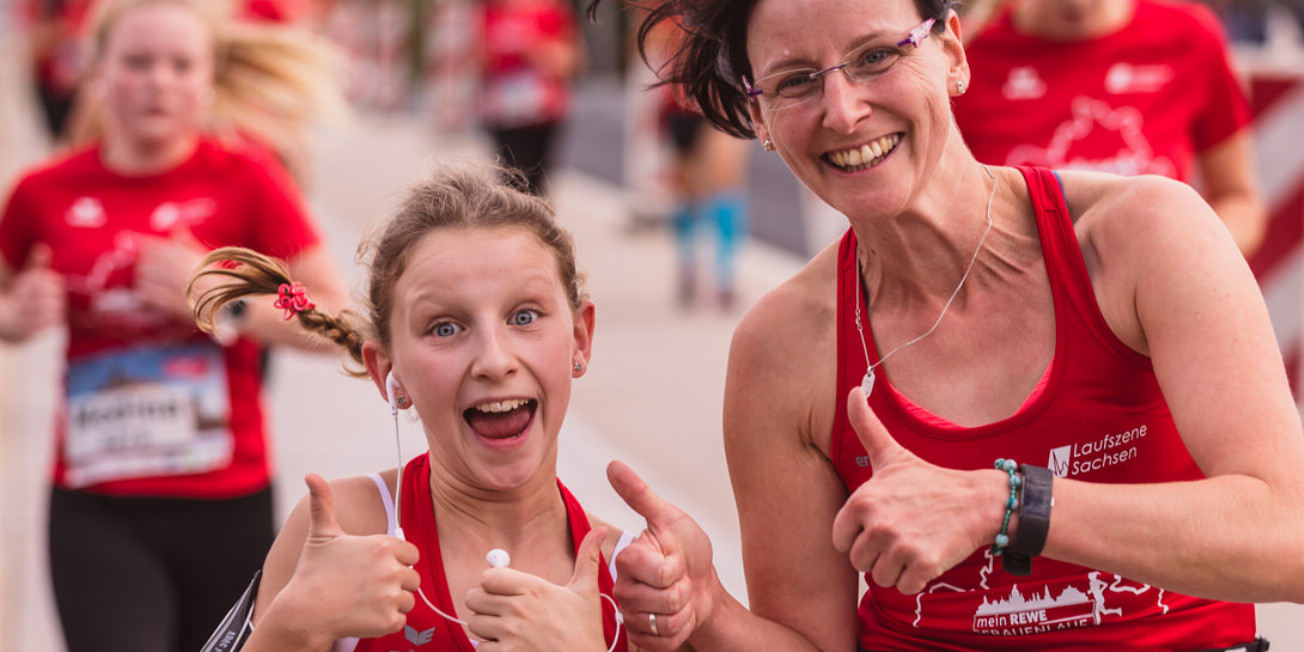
(454, 196)
(270, 82)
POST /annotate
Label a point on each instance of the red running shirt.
(1101, 418)
(1144, 100)
(135, 369)
(426, 630)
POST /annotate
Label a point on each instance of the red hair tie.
(293, 298)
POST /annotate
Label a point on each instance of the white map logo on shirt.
(1042, 611)
(1129, 78)
(1023, 84)
(171, 214)
(87, 213)
(1088, 117)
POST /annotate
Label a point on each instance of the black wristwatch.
(1035, 500)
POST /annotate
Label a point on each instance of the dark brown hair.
(711, 58)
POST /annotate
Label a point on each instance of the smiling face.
(867, 145)
(155, 66)
(484, 342)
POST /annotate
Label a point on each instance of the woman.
(161, 481)
(1105, 330)
(476, 319)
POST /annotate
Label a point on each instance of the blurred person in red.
(161, 499)
(531, 51)
(54, 38)
(1124, 86)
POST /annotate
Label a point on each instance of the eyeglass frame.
(914, 37)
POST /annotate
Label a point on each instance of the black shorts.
(151, 574)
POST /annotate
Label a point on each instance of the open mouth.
(866, 156)
(501, 419)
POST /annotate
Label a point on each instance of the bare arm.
(802, 591)
(1173, 286)
(1229, 184)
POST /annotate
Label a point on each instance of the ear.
(953, 48)
(585, 320)
(758, 122)
(378, 366)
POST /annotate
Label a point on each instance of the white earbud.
(391, 386)
(498, 558)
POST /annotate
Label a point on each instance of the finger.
(641, 562)
(588, 562)
(636, 493)
(40, 257)
(322, 523)
(182, 235)
(505, 581)
(407, 554)
(878, 442)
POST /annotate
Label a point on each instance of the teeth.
(501, 406)
(865, 154)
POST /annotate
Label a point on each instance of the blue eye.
(794, 84)
(874, 61)
(446, 329)
(524, 317)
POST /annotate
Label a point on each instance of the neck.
(515, 519)
(145, 158)
(923, 252)
(1073, 20)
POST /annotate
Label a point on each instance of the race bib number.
(147, 412)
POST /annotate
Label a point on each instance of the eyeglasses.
(792, 87)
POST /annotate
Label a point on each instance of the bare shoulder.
(782, 360)
(1138, 212)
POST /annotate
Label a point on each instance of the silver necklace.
(867, 383)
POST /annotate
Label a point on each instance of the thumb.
(39, 258)
(878, 442)
(182, 235)
(637, 494)
(588, 561)
(322, 523)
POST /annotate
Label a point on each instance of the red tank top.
(427, 631)
(1100, 418)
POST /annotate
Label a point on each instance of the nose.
(844, 106)
(495, 359)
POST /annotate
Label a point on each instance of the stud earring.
(578, 367)
(768, 145)
(402, 401)
(960, 87)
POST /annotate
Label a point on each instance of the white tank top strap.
(391, 519)
(623, 542)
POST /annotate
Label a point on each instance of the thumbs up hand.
(520, 611)
(913, 521)
(36, 299)
(666, 573)
(163, 268)
(352, 585)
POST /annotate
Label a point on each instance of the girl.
(476, 319)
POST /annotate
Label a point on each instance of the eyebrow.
(889, 36)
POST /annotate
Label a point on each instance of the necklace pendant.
(867, 383)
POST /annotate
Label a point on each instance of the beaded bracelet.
(1011, 504)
